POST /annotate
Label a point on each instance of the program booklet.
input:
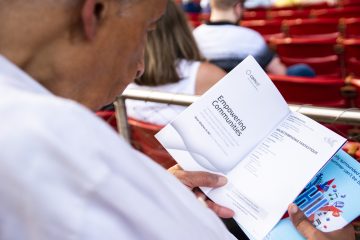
(243, 128)
(330, 201)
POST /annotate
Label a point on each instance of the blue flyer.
(330, 200)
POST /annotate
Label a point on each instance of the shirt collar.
(221, 23)
(12, 75)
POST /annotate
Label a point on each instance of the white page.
(273, 174)
(201, 132)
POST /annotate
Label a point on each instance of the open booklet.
(330, 200)
(243, 128)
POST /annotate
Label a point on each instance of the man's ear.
(238, 9)
(91, 13)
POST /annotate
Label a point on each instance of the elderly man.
(64, 174)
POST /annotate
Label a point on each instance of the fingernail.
(222, 180)
(293, 208)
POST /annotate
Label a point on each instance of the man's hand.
(305, 228)
(194, 180)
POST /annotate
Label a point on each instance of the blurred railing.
(321, 114)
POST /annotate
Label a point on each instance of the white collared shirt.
(65, 174)
(229, 41)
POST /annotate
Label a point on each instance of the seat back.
(346, 3)
(252, 14)
(312, 28)
(352, 56)
(267, 28)
(351, 27)
(345, 12)
(324, 55)
(142, 138)
(316, 91)
(289, 14)
(109, 117)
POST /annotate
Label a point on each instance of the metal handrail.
(321, 114)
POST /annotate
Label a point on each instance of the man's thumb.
(300, 221)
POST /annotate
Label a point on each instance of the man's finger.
(221, 211)
(194, 179)
(300, 221)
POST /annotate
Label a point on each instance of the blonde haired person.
(173, 63)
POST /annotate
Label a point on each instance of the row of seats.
(325, 92)
(306, 28)
(337, 58)
(344, 9)
(311, 12)
(308, 6)
(296, 90)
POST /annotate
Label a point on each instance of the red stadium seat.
(346, 3)
(204, 17)
(323, 54)
(109, 117)
(288, 14)
(267, 28)
(352, 56)
(142, 138)
(194, 24)
(255, 14)
(350, 27)
(346, 12)
(316, 91)
(319, 5)
(193, 16)
(312, 28)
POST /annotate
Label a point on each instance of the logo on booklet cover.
(252, 79)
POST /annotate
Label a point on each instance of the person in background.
(224, 42)
(173, 63)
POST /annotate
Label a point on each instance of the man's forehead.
(155, 7)
(148, 4)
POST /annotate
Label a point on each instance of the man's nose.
(140, 68)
